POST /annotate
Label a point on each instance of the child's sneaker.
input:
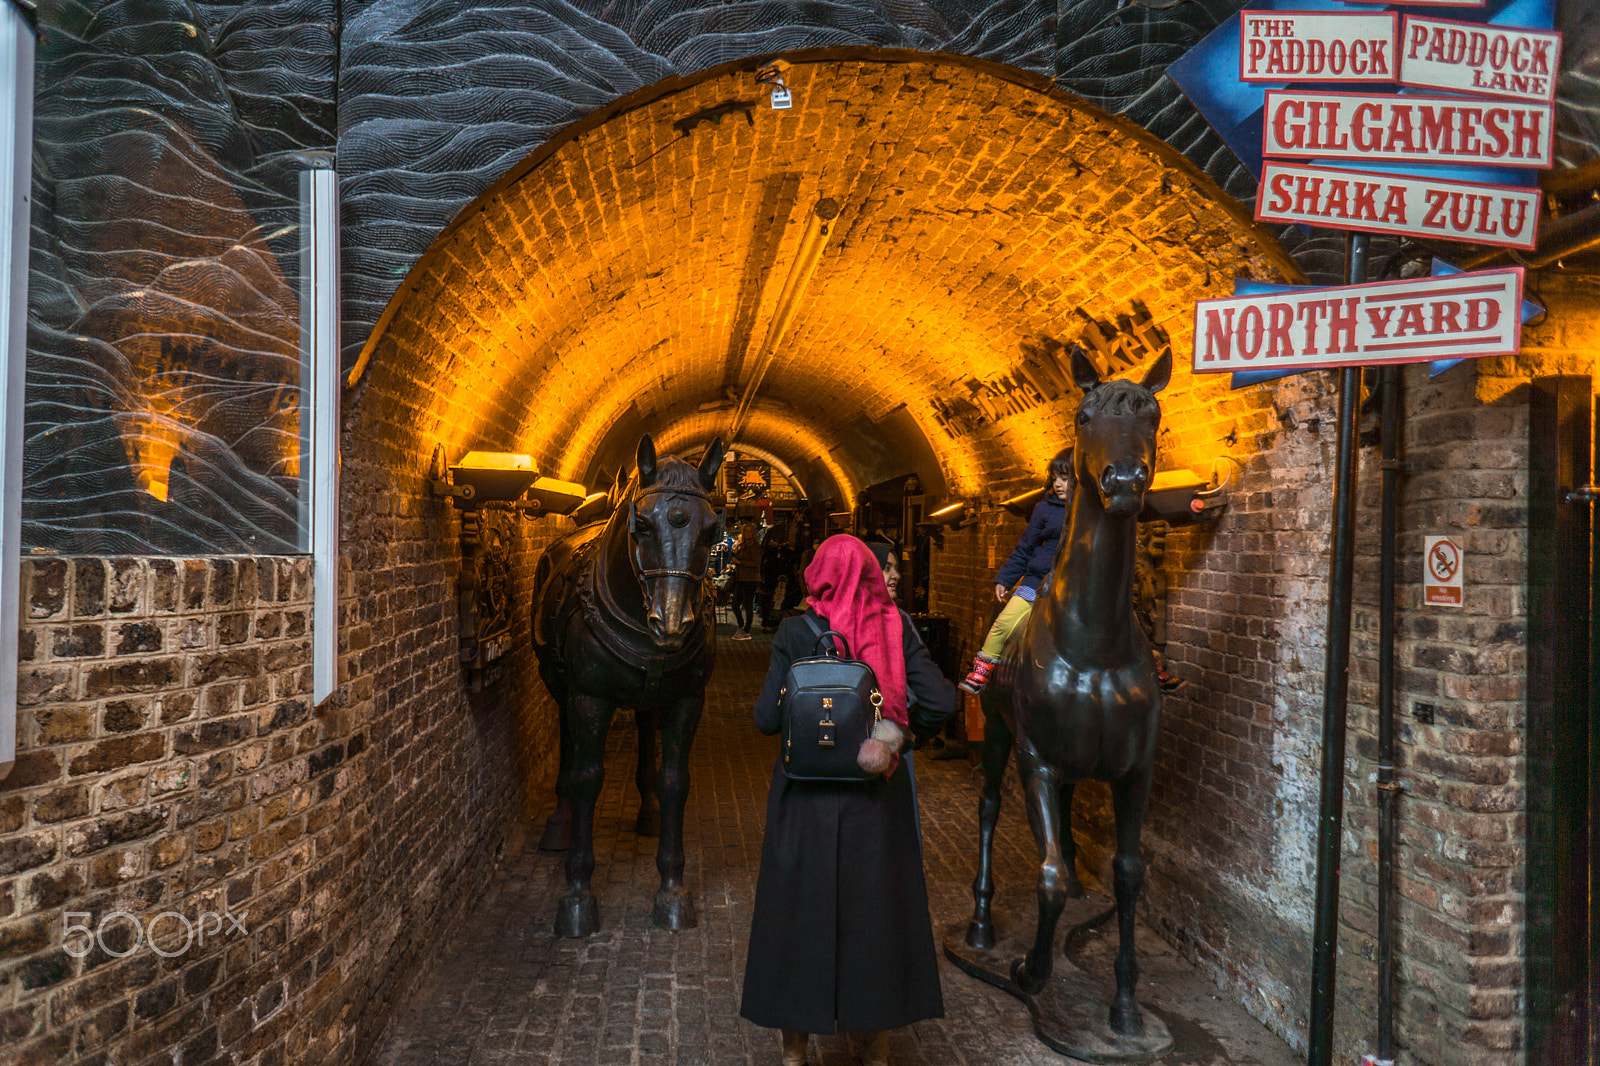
(978, 677)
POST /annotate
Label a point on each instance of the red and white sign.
(1416, 129)
(1283, 46)
(1392, 203)
(1425, 3)
(1469, 58)
(1443, 567)
(1459, 316)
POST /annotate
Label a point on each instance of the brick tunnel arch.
(624, 276)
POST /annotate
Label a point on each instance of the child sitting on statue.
(1026, 568)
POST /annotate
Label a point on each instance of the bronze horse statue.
(621, 619)
(1076, 692)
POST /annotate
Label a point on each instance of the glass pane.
(164, 368)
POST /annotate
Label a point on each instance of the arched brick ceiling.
(625, 274)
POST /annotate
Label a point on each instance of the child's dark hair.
(1060, 466)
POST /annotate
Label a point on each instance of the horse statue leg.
(1069, 847)
(1041, 786)
(647, 724)
(589, 718)
(674, 907)
(997, 741)
(1129, 798)
(558, 829)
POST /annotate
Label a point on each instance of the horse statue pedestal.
(1071, 1014)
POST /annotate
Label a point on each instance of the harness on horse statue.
(611, 623)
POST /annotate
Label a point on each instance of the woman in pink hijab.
(841, 940)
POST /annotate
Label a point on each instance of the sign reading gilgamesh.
(1280, 46)
(1396, 203)
(1469, 58)
(1417, 129)
(1418, 320)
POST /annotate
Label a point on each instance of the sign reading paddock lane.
(1415, 129)
(1395, 203)
(1280, 46)
(1458, 316)
(1469, 58)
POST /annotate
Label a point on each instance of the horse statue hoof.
(674, 910)
(1128, 1023)
(577, 914)
(648, 824)
(1020, 978)
(980, 935)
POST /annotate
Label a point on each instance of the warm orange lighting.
(499, 461)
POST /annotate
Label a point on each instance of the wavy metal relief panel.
(163, 363)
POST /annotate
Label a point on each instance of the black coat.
(841, 939)
(1035, 554)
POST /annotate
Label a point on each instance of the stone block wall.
(172, 769)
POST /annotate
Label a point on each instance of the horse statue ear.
(711, 464)
(1083, 372)
(1161, 373)
(647, 460)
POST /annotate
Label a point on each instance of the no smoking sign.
(1442, 567)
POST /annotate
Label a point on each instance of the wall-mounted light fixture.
(491, 489)
(16, 186)
(952, 518)
(772, 75)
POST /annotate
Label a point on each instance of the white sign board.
(1464, 57)
(1411, 129)
(1443, 566)
(1425, 3)
(1392, 203)
(1459, 316)
(1283, 46)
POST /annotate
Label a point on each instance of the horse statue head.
(1117, 422)
(672, 526)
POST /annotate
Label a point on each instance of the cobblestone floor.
(506, 990)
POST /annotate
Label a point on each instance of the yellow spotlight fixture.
(489, 477)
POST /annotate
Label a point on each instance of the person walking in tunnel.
(746, 580)
(841, 939)
(1027, 567)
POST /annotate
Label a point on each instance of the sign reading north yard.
(1417, 320)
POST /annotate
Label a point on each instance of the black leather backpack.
(830, 704)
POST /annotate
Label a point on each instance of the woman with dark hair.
(841, 940)
(1027, 567)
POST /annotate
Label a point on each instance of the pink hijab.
(847, 589)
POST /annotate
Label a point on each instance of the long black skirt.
(841, 939)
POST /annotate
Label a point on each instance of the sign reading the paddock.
(1458, 316)
(1394, 203)
(1443, 569)
(1407, 129)
(1277, 46)
(1464, 57)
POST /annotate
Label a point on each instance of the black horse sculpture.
(1076, 692)
(621, 619)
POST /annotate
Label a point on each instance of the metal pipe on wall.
(1388, 788)
(1335, 696)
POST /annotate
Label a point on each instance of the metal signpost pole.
(1335, 694)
